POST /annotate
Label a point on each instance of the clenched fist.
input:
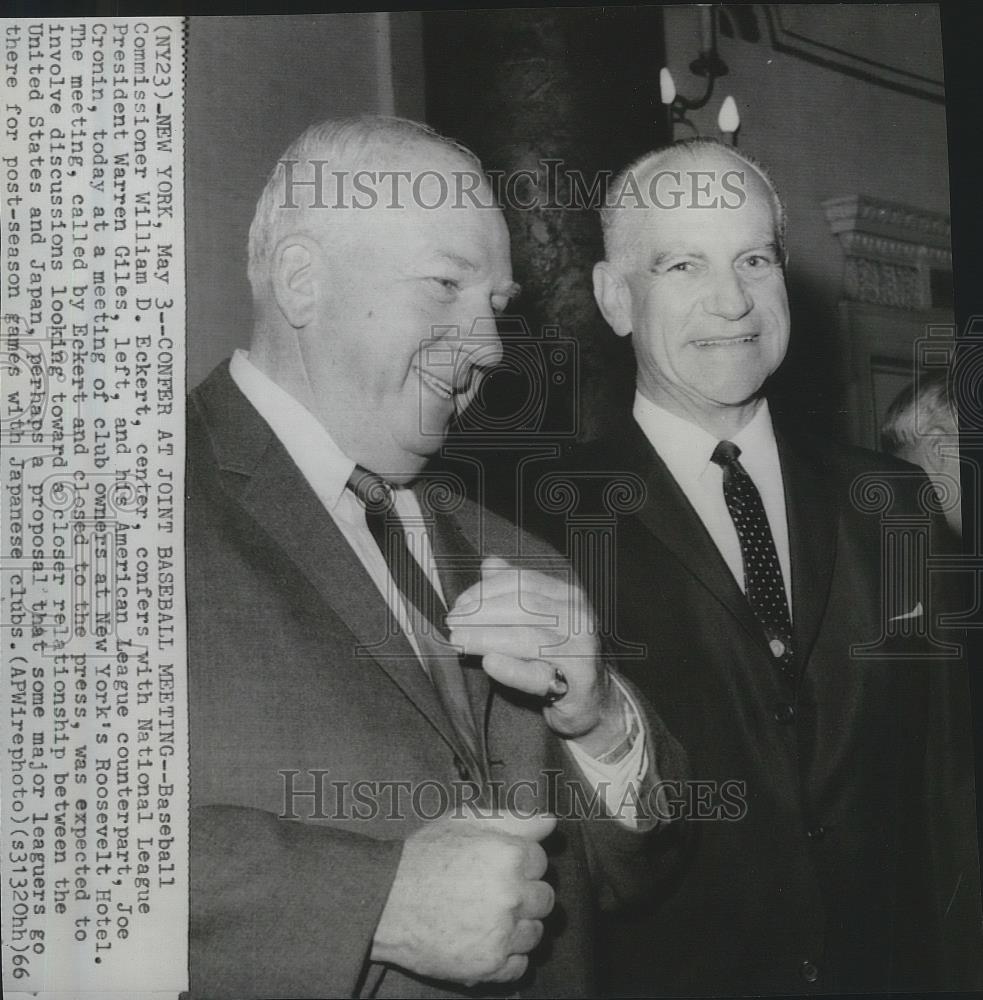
(467, 903)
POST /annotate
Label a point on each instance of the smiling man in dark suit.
(785, 649)
(338, 739)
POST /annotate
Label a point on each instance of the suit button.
(817, 832)
(462, 769)
(809, 972)
(784, 713)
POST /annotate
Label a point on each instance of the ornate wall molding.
(896, 255)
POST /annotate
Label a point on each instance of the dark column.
(578, 86)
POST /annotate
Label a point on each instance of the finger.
(524, 642)
(527, 826)
(534, 864)
(536, 677)
(523, 578)
(514, 967)
(534, 594)
(486, 588)
(510, 579)
(527, 641)
(537, 901)
(494, 564)
(511, 607)
(525, 937)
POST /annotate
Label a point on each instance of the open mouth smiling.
(750, 338)
(446, 390)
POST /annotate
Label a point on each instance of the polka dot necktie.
(763, 584)
(425, 609)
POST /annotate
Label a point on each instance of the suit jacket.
(300, 679)
(824, 880)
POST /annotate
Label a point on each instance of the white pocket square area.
(916, 612)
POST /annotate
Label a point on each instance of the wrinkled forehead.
(393, 196)
(714, 166)
(702, 193)
(447, 207)
(402, 174)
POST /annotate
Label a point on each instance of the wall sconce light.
(709, 65)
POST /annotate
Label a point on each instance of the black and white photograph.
(490, 504)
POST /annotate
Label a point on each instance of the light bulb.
(728, 120)
(667, 87)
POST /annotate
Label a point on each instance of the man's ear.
(293, 277)
(613, 297)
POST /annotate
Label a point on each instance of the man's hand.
(467, 903)
(526, 626)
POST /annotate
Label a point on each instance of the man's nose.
(728, 297)
(483, 347)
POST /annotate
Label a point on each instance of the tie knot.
(374, 492)
(726, 453)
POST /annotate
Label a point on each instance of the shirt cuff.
(618, 773)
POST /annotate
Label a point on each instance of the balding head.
(692, 173)
(329, 176)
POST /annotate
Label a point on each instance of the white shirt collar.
(323, 464)
(686, 447)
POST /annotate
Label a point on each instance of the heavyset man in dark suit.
(332, 736)
(786, 650)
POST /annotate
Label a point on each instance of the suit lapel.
(813, 515)
(670, 517)
(269, 487)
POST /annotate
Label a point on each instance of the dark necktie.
(763, 585)
(425, 609)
